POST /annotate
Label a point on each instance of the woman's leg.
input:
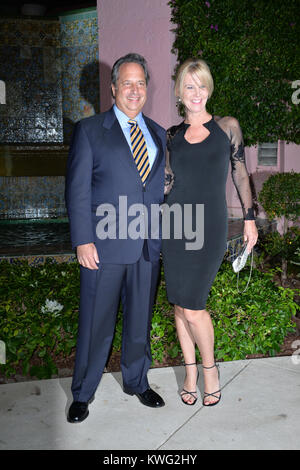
(187, 344)
(195, 326)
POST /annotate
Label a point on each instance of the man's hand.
(87, 256)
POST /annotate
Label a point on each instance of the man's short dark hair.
(129, 58)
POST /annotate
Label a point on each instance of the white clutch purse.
(240, 260)
(239, 263)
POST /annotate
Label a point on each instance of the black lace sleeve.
(238, 165)
(169, 175)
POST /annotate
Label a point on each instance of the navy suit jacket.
(101, 169)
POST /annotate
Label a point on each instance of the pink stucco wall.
(291, 157)
(144, 26)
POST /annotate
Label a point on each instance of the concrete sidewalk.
(260, 409)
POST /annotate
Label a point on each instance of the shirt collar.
(123, 118)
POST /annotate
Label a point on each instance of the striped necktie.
(139, 150)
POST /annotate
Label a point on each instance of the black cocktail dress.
(199, 195)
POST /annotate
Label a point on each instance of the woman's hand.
(250, 234)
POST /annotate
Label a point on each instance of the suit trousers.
(100, 292)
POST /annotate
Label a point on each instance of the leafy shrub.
(296, 258)
(253, 60)
(31, 318)
(282, 246)
(255, 322)
(280, 196)
(39, 316)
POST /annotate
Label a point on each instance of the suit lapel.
(158, 143)
(119, 146)
(118, 143)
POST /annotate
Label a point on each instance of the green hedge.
(252, 48)
(39, 316)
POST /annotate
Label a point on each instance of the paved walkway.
(259, 410)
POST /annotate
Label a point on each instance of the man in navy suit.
(118, 255)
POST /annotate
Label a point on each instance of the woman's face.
(194, 94)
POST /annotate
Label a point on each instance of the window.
(267, 154)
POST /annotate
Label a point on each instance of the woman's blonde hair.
(196, 67)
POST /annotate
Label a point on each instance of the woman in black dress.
(200, 149)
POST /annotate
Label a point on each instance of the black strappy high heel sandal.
(186, 392)
(214, 393)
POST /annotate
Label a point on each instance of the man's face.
(131, 91)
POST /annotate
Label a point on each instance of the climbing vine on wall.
(252, 49)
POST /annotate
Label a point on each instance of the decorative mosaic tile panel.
(51, 72)
(40, 259)
(30, 67)
(80, 68)
(32, 197)
(24, 32)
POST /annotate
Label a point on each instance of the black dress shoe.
(149, 398)
(79, 411)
